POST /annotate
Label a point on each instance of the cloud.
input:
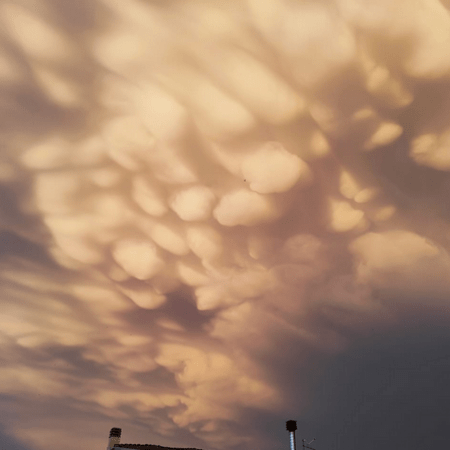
(13, 443)
(200, 202)
(402, 258)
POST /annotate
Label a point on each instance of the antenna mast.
(306, 444)
(291, 426)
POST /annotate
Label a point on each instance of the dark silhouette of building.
(114, 443)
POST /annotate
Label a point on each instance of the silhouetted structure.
(291, 426)
(150, 447)
(114, 443)
(114, 438)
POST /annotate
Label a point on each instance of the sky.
(217, 216)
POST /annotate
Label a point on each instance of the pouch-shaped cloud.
(403, 247)
(194, 203)
(169, 238)
(142, 294)
(313, 41)
(268, 96)
(139, 258)
(244, 207)
(273, 169)
(205, 241)
(40, 40)
(401, 259)
(211, 379)
(344, 217)
(148, 196)
(166, 118)
(431, 150)
(427, 24)
(129, 143)
(216, 113)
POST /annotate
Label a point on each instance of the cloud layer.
(200, 199)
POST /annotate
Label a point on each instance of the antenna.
(291, 426)
(307, 444)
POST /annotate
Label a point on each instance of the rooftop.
(150, 447)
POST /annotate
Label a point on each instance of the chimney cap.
(291, 425)
(115, 432)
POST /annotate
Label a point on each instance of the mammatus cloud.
(208, 187)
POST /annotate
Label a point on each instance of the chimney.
(114, 437)
(291, 426)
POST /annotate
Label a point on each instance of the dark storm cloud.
(13, 245)
(11, 443)
(390, 392)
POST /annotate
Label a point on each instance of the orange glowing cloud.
(197, 188)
